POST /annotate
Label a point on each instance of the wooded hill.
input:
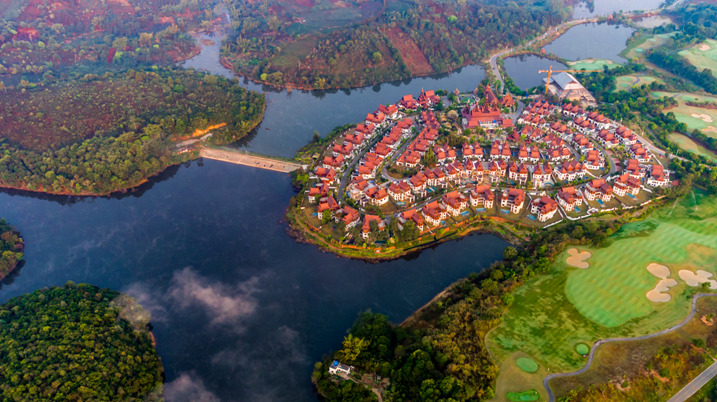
(405, 40)
(99, 134)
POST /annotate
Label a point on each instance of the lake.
(598, 41)
(241, 311)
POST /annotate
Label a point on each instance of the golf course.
(644, 43)
(686, 143)
(662, 255)
(699, 118)
(702, 55)
(626, 82)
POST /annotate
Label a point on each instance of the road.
(695, 385)
(589, 363)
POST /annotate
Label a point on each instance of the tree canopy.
(73, 343)
(11, 248)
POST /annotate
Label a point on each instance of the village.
(396, 176)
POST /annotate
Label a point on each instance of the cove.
(241, 311)
(292, 117)
(598, 41)
(523, 69)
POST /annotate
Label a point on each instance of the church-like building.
(488, 116)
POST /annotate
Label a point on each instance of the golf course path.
(709, 373)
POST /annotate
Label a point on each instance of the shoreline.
(484, 226)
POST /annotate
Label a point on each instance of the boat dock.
(240, 158)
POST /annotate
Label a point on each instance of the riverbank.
(12, 247)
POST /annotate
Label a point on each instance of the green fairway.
(702, 55)
(698, 118)
(554, 313)
(686, 143)
(643, 43)
(582, 349)
(628, 81)
(527, 365)
(525, 396)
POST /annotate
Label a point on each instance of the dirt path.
(547, 379)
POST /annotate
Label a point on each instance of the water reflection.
(605, 7)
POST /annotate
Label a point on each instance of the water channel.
(241, 311)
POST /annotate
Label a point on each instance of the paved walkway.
(239, 158)
(698, 296)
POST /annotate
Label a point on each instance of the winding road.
(685, 393)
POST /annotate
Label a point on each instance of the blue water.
(465, 213)
(504, 211)
(598, 41)
(576, 209)
(600, 202)
(241, 311)
(531, 217)
(480, 210)
(631, 196)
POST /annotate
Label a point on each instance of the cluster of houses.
(548, 153)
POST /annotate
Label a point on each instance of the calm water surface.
(604, 7)
(598, 41)
(524, 69)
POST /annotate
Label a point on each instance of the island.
(77, 342)
(11, 247)
(90, 134)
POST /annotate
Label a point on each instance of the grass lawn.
(694, 117)
(592, 64)
(686, 143)
(641, 197)
(614, 360)
(625, 82)
(524, 382)
(702, 55)
(555, 312)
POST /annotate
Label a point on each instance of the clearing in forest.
(556, 312)
(702, 55)
(412, 55)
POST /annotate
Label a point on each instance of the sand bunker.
(711, 129)
(658, 270)
(704, 117)
(577, 258)
(704, 47)
(700, 277)
(656, 295)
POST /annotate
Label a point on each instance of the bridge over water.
(241, 158)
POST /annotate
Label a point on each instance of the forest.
(39, 38)
(95, 134)
(404, 41)
(11, 247)
(439, 353)
(72, 343)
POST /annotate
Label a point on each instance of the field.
(702, 55)
(699, 118)
(294, 52)
(554, 313)
(411, 54)
(689, 145)
(625, 82)
(592, 64)
(644, 43)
